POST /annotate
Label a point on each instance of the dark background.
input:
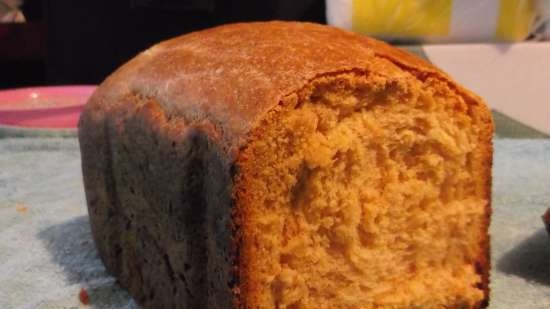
(81, 42)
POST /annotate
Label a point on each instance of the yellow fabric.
(515, 19)
(403, 18)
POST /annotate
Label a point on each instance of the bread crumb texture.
(362, 191)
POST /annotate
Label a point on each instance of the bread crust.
(228, 78)
(546, 220)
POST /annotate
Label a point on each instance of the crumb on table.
(21, 208)
(83, 296)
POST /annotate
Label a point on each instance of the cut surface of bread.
(371, 197)
(289, 166)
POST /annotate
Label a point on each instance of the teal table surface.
(47, 253)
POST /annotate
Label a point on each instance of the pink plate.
(56, 107)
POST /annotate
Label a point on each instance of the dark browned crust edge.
(546, 220)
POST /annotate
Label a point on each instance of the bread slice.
(289, 165)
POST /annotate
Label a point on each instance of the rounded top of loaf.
(231, 76)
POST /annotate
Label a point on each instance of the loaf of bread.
(288, 165)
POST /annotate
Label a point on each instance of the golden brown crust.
(235, 74)
(232, 76)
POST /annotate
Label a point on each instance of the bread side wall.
(159, 199)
